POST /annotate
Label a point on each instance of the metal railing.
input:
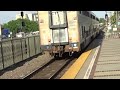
(15, 50)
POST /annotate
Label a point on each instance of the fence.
(15, 50)
(112, 35)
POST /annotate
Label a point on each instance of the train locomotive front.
(59, 32)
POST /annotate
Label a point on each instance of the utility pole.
(22, 14)
(110, 15)
(106, 18)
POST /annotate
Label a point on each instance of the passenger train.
(66, 31)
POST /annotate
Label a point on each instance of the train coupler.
(70, 53)
(60, 53)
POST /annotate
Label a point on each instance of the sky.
(6, 16)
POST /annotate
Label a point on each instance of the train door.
(59, 27)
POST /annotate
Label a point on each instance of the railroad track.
(49, 70)
(52, 68)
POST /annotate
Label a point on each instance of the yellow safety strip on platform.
(74, 69)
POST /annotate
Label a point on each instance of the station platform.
(101, 60)
(108, 64)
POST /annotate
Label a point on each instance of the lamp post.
(106, 17)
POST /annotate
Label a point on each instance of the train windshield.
(58, 17)
(58, 26)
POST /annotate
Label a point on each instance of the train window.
(87, 33)
(80, 12)
(90, 15)
(82, 31)
(57, 19)
(89, 30)
(93, 17)
(83, 12)
(86, 13)
(97, 19)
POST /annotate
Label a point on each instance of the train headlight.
(47, 47)
(75, 45)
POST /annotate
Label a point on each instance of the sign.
(109, 27)
(118, 23)
(114, 29)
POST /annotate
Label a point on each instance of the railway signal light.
(22, 14)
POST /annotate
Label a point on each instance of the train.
(66, 31)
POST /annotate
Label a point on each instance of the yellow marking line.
(87, 74)
(74, 69)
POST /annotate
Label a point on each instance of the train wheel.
(76, 54)
(65, 55)
(56, 55)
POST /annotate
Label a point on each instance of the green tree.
(113, 19)
(102, 20)
(15, 25)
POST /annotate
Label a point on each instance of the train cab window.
(58, 19)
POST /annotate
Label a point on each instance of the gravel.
(26, 68)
